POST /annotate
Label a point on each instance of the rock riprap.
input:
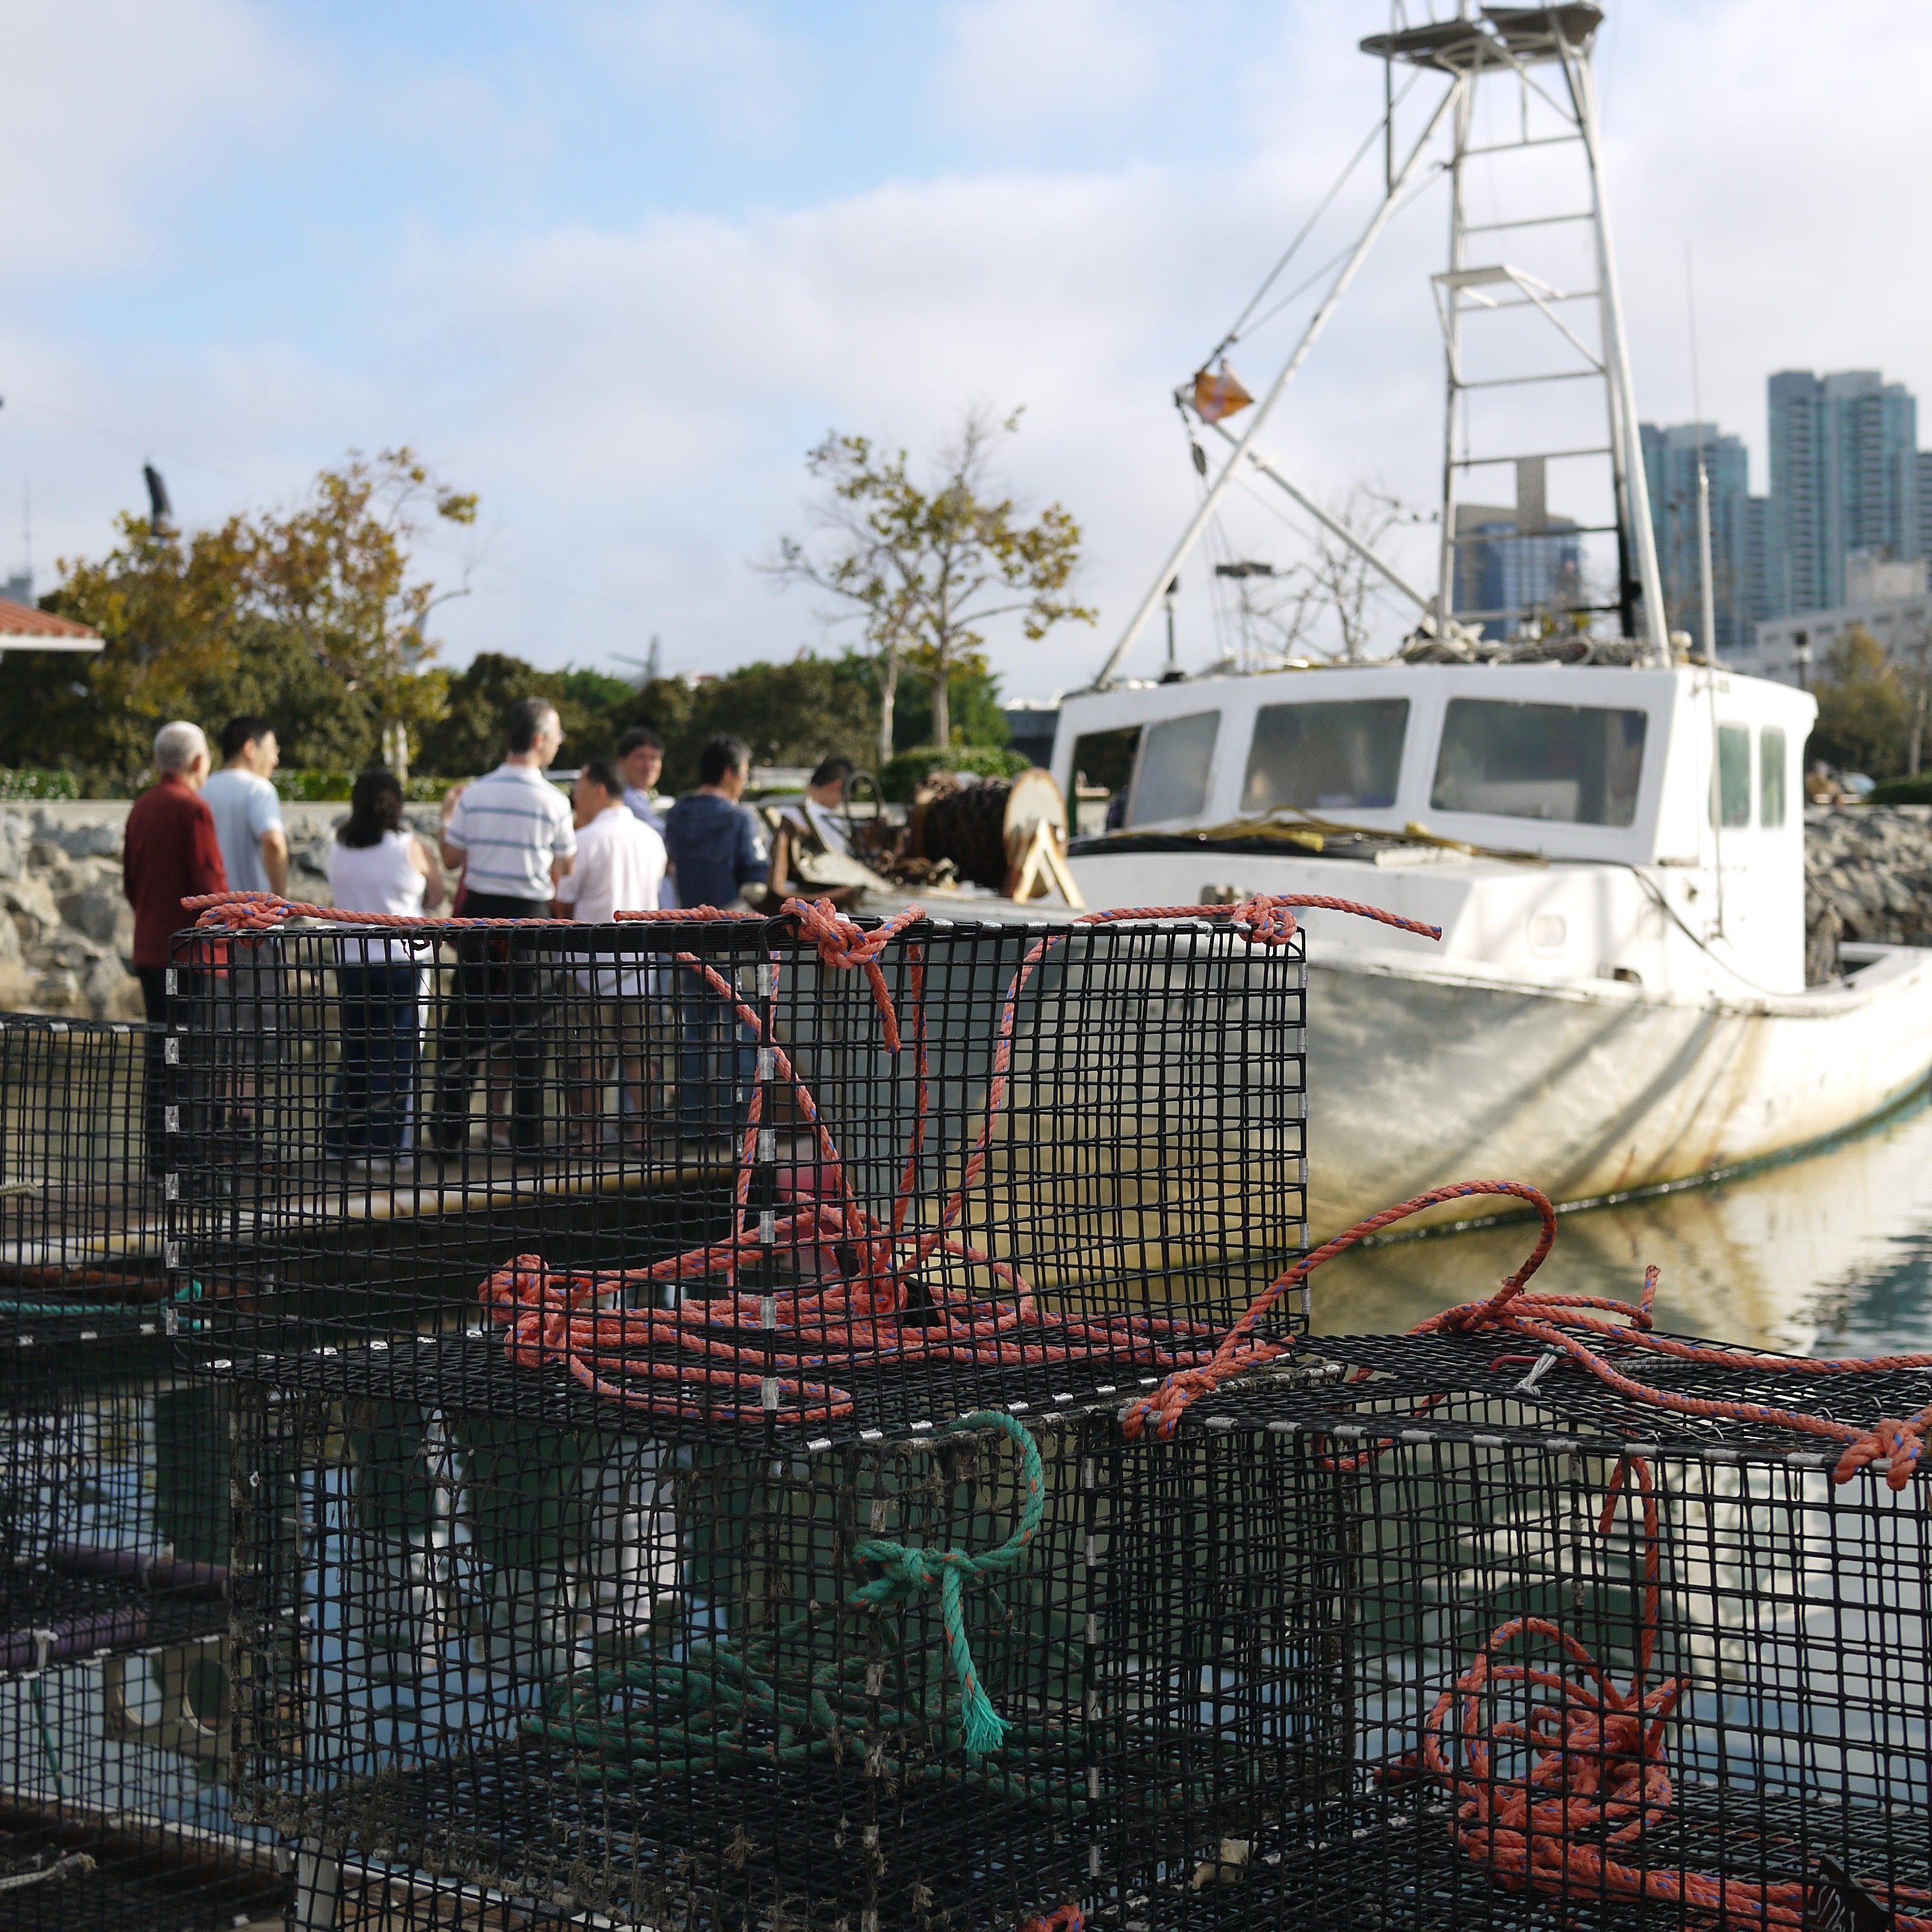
(66, 933)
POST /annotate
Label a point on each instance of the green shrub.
(1914, 790)
(301, 787)
(27, 782)
(909, 769)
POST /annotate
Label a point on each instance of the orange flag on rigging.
(1218, 394)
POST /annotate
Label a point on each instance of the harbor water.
(1829, 1253)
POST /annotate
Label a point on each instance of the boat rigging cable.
(1235, 331)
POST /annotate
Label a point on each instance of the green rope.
(721, 1689)
(48, 1750)
(908, 1569)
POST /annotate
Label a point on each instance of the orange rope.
(1598, 1781)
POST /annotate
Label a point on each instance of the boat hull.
(1420, 1075)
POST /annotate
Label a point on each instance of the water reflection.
(1830, 1255)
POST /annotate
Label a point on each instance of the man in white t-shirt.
(247, 819)
(620, 866)
(247, 813)
(510, 832)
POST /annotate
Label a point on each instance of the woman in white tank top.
(377, 865)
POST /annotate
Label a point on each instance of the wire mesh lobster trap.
(795, 1154)
(81, 1215)
(1609, 1664)
(957, 1679)
(114, 1532)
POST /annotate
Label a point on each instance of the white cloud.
(634, 402)
(112, 107)
(1022, 62)
(747, 79)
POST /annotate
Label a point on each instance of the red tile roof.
(23, 620)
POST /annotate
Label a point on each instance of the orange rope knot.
(1066, 1918)
(1898, 1445)
(1598, 1780)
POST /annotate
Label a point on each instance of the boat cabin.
(1688, 776)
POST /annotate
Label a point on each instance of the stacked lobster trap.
(1637, 1637)
(114, 1517)
(729, 1522)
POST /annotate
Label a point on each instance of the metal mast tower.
(1503, 273)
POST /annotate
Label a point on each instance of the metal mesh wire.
(1606, 1666)
(667, 1677)
(1025, 1149)
(114, 1534)
(80, 1220)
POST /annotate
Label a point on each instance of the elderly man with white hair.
(170, 854)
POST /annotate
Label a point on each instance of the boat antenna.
(1707, 602)
(1707, 599)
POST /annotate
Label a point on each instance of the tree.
(790, 713)
(1861, 710)
(1335, 582)
(926, 568)
(312, 619)
(336, 573)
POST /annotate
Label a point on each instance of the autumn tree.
(925, 568)
(336, 573)
(316, 619)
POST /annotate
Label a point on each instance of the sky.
(617, 268)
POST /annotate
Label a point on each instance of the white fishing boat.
(1609, 830)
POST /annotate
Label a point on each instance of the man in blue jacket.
(715, 846)
(716, 851)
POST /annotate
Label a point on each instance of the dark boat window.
(1572, 764)
(1334, 756)
(1103, 761)
(1171, 781)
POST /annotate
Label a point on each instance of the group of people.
(515, 849)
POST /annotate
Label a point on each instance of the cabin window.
(1171, 781)
(1730, 790)
(1326, 758)
(1103, 768)
(1771, 775)
(1573, 764)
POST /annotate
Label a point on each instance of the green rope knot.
(907, 1569)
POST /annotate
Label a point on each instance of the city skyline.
(1848, 490)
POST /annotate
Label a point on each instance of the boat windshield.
(1332, 757)
(1571, 763)
(1171, 781)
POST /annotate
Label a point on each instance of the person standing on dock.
(620, 865)
(716, 851)
(377, 864)
(169, 853)
(640, 759)
(255, 855)
(511, 832)
(247, 813)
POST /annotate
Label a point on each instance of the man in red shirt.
(169, 854)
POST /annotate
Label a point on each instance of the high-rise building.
(1846, 475)
(1737, 542)
(1516, 565)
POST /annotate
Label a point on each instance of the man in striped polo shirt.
(511, 833)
